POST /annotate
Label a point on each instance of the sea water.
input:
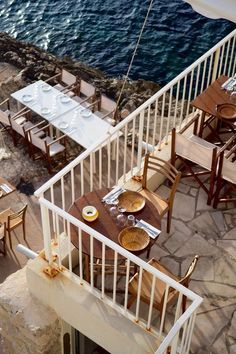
(103, 33)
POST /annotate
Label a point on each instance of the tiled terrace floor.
(200, 229)
(196, 229)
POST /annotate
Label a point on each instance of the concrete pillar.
(26, 325)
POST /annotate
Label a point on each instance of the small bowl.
(90, 213)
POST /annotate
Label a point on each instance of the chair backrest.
(185, 279)
(195, 149)
(166, 169)
(68, 78)
(86, 88)
(227, 169)
(4, 118)
(37, 141)
(17, 218)
(17, 127)
(107, 104)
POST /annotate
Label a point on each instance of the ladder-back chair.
(169, 172)
(12, 220)
(160, 286)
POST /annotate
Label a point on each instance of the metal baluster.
(164, 309)
(80, 255)
(132, 146)
(151, 303)
(115, 278)
(125, 154)
(73, 185)
(162, 119)
(100, 168)
(69, 246)
(82, 176)
(91, 262)
(138, 294)
(168, 118)
(91, 160)
(127, 284)
(103, 269)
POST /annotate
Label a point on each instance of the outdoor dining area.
(182, 229)
(49, 112)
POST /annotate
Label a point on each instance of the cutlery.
(151, 231)
(113, 194)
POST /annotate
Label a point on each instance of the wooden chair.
(191, 149)
(65, 82)
(85, 93)
(169, 172)
(21, 130)
(160, 286)
(12, 220)
(3, 238)
(226, 174)
(6, 113)
(107, 109)
(49, 148)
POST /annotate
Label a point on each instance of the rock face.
(35, 328)
(37, 64)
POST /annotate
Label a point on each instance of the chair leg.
(169, 216)
(184, 301)
(130, 301)
(9, 236)
(23, 226)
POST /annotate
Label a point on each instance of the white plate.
(45, 110)
(46, 88)
(65, 99)
(27, 98)
(63, 125)
(86, 113)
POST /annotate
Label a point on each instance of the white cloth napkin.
(5, 188)
(151, 230)
(114, 193)
(228, 83)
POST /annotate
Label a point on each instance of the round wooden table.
(105, 224)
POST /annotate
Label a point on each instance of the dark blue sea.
(103, 33)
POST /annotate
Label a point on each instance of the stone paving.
(196, 229)
(211, 233)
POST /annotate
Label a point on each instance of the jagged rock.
(38, 64)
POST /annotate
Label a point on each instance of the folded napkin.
(113, 194)
(5, 188)
(229, 83)
(151, 230)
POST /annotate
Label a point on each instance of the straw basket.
(133, 238)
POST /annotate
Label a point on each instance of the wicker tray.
(133, 238)
(226, 111)
(131, 201)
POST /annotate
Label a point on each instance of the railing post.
(215, 66)
(140, 139)
(46, 233)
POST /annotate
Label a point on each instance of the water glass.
(233, 96)
(121, 219)
(130, 220)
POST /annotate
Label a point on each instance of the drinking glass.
(233, 96)
(130, 220)
(121, 218)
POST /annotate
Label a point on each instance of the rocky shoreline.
(34, 63)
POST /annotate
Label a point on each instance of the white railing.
(181, 325)
(115, 159)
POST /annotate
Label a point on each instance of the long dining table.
(62, 112)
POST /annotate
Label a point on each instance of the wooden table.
(105, 224)
(210, 98)
(4, 193)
